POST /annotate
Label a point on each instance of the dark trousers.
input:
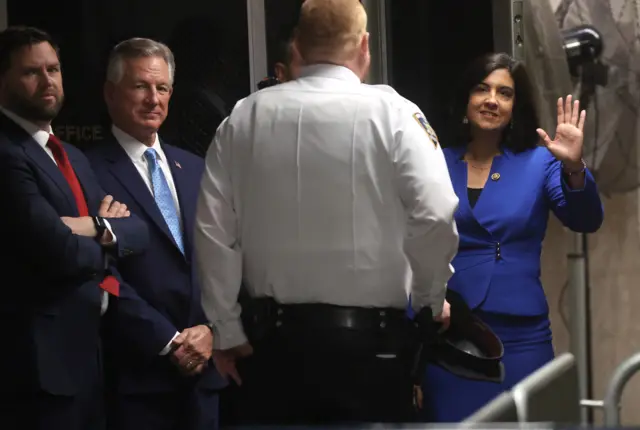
(45, 411)
(192, 408)
(300, 375)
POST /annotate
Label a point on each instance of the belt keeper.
(278, 316)
(383, 319)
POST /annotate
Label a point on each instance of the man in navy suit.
(58, 276)
(175, 387)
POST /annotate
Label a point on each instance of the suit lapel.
(184, 189)
(126, 173)
(459, 179)
(481, 215)
(40, 157)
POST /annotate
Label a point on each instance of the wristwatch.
(575, 172)
(100, 226)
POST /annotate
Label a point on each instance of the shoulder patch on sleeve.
(418, 116)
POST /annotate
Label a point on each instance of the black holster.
(258, 316)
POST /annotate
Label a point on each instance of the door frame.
(3, 15)
(257, 28)
(378, 39)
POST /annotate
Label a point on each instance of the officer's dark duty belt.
(323, 316)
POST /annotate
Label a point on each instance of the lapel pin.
(495, 176)
(178, 165)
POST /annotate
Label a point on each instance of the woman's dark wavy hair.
(521, 134)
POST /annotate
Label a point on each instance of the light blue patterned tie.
(163, 197)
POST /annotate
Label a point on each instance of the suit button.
(498, 253)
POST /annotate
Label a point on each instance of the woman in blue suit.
(507, 185)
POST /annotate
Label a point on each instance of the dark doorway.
(430, 44)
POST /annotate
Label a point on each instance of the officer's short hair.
(137, 47)
(15, 38)
(330, 28)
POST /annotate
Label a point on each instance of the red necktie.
(60, 155)
(110, 284)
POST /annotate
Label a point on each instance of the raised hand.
(566, 146)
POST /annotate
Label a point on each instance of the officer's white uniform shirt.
(324, 190)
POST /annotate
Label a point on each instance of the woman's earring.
(465, 120)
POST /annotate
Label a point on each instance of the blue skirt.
(527, 347)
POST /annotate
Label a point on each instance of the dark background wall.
(430, 41)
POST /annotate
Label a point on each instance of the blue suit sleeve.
(43, 238)
(579, 210)
(132, 235)
(137, 325)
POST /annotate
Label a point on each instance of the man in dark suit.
(59, 248)
(175, 387)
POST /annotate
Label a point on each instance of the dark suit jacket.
(163, 277)
(497, 268)
(50, 304)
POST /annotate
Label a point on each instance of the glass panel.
(281, 17)
(430, 44)
(209, 40)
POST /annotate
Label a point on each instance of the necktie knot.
(54, 144)
(152, 156)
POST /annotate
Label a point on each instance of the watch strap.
(100, 226)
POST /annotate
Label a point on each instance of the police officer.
(330, 201)
(288, 62)
(286, 66)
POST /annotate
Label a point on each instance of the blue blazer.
(163, 277)
(50, 305)
(497, 268)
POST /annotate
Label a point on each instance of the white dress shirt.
(135, 150)
(324, 190)
(42, 138)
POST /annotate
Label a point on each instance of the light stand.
(583, 46)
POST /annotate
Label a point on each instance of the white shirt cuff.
(228, 335)
(104, 303)
(114, 239)
(167, 348)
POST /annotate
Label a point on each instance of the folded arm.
(131, 235)
(40, 235)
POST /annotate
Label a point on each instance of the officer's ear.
(280, 71)
(364, 44)
(364, 57)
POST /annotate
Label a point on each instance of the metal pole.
(257, 28)
(578, 318)
(621, 376)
